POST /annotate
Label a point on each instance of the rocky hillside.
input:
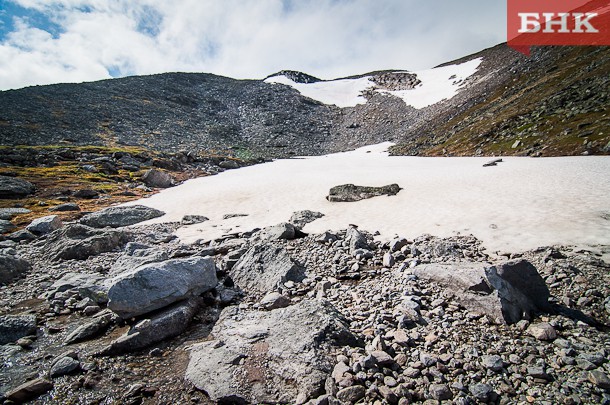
(277, 316)
(554, 103)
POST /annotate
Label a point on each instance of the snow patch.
(522, 203)
(437, 84)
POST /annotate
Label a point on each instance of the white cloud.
(242, 38)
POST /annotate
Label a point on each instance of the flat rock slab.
(79, 242)
(351, 192)
(274, 356)
(263, 267)
(507, 292)
(115, 217)
(156, 285)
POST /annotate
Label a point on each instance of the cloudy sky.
(52, 41)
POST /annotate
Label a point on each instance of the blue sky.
(52, 41)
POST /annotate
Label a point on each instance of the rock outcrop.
(351, 192)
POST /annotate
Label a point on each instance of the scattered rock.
(79, 242)
(13, 327)
(481, 391)
(29, 390)
(440, 392)
(351, 193)
(64, 365)
(599, 378)
(542, 331)
(115, 217)
(193, 219)
(44, 225)
(274, 300)
(13, 187)
(158, 179)
(492, 362)
(86, 193)
(263, 267)
(157, 285)
(8, 213)
(165, 324)
(269, 356)
(65, 207)
(12, 268)
(90, 329)
(351, 395)
(6, 226)
(301, 218)
(281, 231)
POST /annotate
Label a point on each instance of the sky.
(59, 41)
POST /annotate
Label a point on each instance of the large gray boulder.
(44, 225)
(351, 192)
(13, 327)
(12, 187)
(79, 242)
(356, 240)
(136, 256)
(280, 231)
(115, 217)
(264, 267)
(158, 179)
(157, 285)
(278, 356)
(12, 268)
(169, 322)
(506, 293)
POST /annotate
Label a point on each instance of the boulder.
(91, 328)
(6, 226)
(29, 390)
(9, 213)
(13, 327)
(65, 207)
(44, 225)
(301, 218)
(133, 258)
(157, 179)
(79, 242)
(13, 187)
(274, 300)
(193, 219)
(64, 365)
(356, 240)
(280, 231)
(115, 217)
(275, 356)
(263, 267)
(351, 192)
(507, 292)
(21, 235)
(12, 268)
(157, 285)
(165, 324)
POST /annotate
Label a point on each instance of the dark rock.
(522, 293)
(13, 327)
(6, 226)
(22, 235)
(86, 194)
(301, 218)
(65, 207)
(263, 267)
(599, 378)
(44, 225)
(79, 242)
(351, 395)
(492, 362)
(157, 285)
(481, 391)
(12, 187)
(115, 217)
(12, 268)
(229, 164)
(193, 219)
(90, 329)
(350, 192)
(282, 354)
(29, 390)
(165, 324)
(440, 392)
(64, 365)
(158, 179)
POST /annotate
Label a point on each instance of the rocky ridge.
(373, 322)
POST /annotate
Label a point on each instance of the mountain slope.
(555, 102)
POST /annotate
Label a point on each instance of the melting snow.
(436, 85)
(520, 204)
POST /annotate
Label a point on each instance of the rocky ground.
(97, 311)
